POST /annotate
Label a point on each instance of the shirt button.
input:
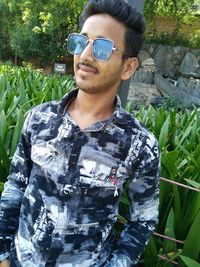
(70, 168)
(65, 192)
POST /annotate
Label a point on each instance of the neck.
(87, 109)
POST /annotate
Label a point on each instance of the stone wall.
(166, 72)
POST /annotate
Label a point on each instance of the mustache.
(87, 64)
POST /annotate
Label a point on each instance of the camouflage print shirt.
(60, 202)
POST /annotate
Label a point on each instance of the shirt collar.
(118, 116)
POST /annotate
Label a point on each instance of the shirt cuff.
(4, 256)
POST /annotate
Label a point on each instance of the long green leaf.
(3, 125)
(17, 132)
(177, 207)
(169, 246)
(164, 132)
(189, 262)
(169, 164)
(150, 253)
(1, 186)
(4, 157)
(193, 183)
(192, 243)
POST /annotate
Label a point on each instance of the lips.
(88, 69)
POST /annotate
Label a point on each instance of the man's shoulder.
(47, 106)
(43, 113)
(138, 130)
(135, 124)
(55, 106)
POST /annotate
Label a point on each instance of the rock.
(196, 52)
(198, 72)
(168, 89)
(143, 76)
(189, 65)
(164, 62)
(190, 86)
(152, 49)
(144, 94)
(146, 61)
(145, 72)
(179, 65)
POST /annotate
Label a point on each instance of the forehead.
(103, 25)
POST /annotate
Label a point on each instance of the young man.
(60, 202)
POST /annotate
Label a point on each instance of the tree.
(5, 26)
(178, 10)
(139, 5)
(124, 86)
(42, 27)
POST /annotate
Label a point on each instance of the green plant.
(178, 132)
(189, 262)
(183, 22)
(195, 39)
(166, 38)
(21, 89)
(179, 10)
(30, 29)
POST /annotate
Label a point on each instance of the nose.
(87, 54)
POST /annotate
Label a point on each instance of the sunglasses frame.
(92, 41)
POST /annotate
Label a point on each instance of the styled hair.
(124, 13)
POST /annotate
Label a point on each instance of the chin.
(88, 90)
(85, 87)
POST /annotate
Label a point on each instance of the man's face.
(93, 76)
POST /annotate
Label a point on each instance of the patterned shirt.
(60, 203)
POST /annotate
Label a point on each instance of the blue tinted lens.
(76, 44)
(102, 49)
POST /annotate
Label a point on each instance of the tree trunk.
(124, 86)
(137, 4)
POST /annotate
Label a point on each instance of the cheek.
(76, 61)
(112, 68)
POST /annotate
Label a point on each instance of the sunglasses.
(102, 48)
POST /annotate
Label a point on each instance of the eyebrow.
(99, 36)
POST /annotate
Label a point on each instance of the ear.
(130, 66)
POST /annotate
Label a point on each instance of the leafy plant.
(178, 132)
(20, 89)
(181, 14)
(178, 135)
(195, 39)
(38, 29)
(189, 262)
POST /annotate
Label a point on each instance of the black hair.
(124, 13)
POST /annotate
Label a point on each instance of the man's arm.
(143, 211)
(12, 195)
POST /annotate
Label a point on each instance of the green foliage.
(165, 38)
(180, 12)
(177, 9)
(195, 39)
(5, 27)
(174, 8)
(21, 89)
(39, 29)
(178, 133)
(189, 262)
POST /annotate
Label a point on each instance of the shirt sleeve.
(143, 211)
(14, 188)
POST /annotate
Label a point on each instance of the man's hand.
(5, 263)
